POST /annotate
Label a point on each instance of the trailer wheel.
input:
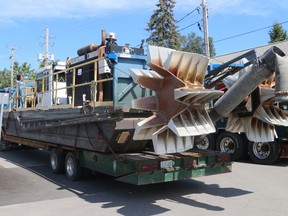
(57, 161)
(264, 152)
(73, 169)
(231, 143)
(206, 143)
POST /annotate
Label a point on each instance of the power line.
(197, 8)
(231, 37)
(198, 22)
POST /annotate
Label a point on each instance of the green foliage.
(195, 44)
(163, 31)
(277, 33)
(5, 78)
(43, 63)
(24, 70)
(162, 26)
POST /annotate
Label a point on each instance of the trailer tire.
(57, 161)
(208, 142)
(266, 153)
(231, 143)
(73, 169)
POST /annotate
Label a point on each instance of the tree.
(5, 78)
(24, 70)
(194, 43)
(277, 33)
(162, 26)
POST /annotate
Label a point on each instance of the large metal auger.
(259, 121)
(179, 101)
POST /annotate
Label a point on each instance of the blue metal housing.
(125, 90)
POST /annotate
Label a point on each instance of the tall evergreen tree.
(277, 33)
(162, 26)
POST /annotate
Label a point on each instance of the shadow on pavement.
(130, 199)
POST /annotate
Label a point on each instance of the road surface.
(28, 188)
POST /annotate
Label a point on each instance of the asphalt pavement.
(27, 188)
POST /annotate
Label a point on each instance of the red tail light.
(219, 159)
(145, 167)
(149, 167)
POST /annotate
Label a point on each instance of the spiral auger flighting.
(179, 101)
(261, 115)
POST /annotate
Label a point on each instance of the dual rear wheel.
(59, 162)
(239, 147)
(232, 143)
(260, 152)
(264, 152)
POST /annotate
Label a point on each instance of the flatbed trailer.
(138, 168)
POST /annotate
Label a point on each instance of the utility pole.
(46, 57)
(46, 45)
(205, 25)
(12, 64)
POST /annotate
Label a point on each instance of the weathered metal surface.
(188, 67)
(261, 70)
(29, 142)
(272, 115)
(160, 176)
(281, 87)
(149, 168)
(42, 119)
(258, 131)
(234, 124)
(102, 134)
(191, 122)
(166, 141)
(259, 127)
(179, 101)
(196, 96)
(259, 116)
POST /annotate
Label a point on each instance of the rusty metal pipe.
(281, 79)
(92, 47)
(262, 69)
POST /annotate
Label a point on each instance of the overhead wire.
(197, 8)
(188, 14)
(198, 22)
(245, 33)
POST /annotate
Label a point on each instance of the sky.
(233, 24)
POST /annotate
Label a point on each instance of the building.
(283, 45)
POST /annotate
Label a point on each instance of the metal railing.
(27, 99)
